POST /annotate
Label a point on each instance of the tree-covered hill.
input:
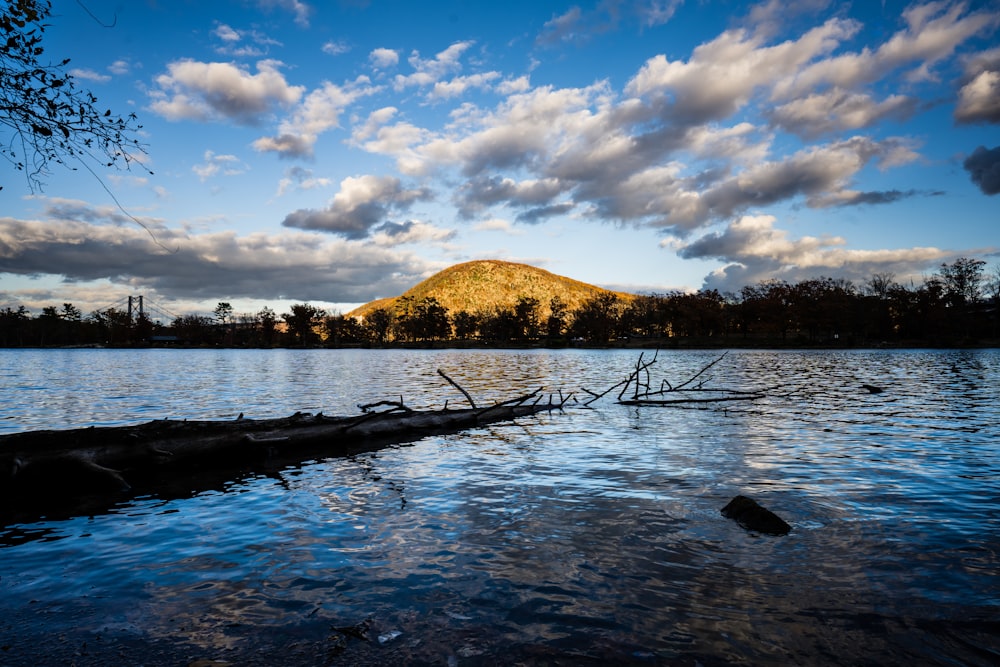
(484, 286)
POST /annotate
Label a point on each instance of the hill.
(485, 285)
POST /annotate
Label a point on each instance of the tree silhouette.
(597, 320)
(962, 281)
(50, 119)
(378, 323)
(555, 324)
(302, 322)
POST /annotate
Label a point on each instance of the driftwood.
(690, 391)
(56, 467)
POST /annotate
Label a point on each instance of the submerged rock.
(752, 516)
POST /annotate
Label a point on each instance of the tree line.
(957, 305)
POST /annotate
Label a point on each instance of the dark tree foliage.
(341, 330)
(526, 314)
(466, 325)
(303, 321)
(47, 118)
(598, 319)
(500, 326)
(962, 281)
(378, 324)
(555, 325)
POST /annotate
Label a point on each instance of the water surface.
(591, 536)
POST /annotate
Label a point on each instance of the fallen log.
(54, 468)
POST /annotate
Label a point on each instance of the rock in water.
(749, 514)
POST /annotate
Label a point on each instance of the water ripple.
(592, 536)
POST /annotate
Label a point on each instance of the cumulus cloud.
(979, 96)
(521, 131)
(120, 67)
(666, 197)
(383, 58)
(226, 33)
(933, 31)
(291, 265)
(362, 203)
(722, 75)
(430, 71)
(192, 90)
(319, 112)
(455, 87)
(411, 231)
(480, 193)
(984, 168)
(755, 250)
(837, 110)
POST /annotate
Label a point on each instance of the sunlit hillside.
(484, 285)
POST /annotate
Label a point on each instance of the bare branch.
(457, 386)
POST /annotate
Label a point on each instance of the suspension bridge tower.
(136, 310)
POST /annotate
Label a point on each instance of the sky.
(336, 152)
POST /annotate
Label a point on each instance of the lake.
(590, 536)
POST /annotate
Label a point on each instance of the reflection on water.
(588, 537)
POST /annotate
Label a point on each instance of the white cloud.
(383, 58)
(214, 165)
(838, 110)
(429, 72)
(721, 75)
(933, 32)
(391, 234)
(226, 33)
(756, 251)
(457, 86)
(192, 90)
(362, 203)
(979, 100)
(120, 67)
(89, 75)
(979, 97)
(319, 112)
(336, 48)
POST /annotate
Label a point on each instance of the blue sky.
(338, 152)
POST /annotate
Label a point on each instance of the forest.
(956, 306)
